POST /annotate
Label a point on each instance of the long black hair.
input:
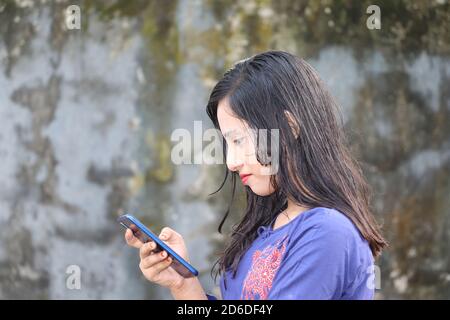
(315, 167)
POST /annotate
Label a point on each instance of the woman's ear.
(292, 123)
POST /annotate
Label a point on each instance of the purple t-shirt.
(319, 254)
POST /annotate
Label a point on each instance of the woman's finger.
(152, 259)
(159, 267)
(169, 235)
(146, 249)
(132, 240)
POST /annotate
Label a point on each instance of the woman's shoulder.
(327, 233)
(331, 224)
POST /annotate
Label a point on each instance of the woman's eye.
(237, 141)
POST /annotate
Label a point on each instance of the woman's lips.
(244, 178)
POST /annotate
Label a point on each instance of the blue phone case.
(144, 235)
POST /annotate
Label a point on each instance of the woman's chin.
(262, 192)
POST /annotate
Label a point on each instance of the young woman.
(308, 232)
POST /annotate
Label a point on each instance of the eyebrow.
(228, 133)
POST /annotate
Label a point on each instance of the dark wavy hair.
(315, 167)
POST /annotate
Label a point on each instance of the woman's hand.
(156, 266)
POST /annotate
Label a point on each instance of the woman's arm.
(191, 289)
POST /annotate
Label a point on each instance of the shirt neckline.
(269, 229)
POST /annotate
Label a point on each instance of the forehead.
(228, 121)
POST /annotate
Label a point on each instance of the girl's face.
(241, 151)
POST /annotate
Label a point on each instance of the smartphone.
(145, 235)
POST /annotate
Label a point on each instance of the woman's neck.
(292, 210)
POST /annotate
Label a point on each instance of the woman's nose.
(234, 162)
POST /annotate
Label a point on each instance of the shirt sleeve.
(316, 265)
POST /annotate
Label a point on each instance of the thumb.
(166, 234)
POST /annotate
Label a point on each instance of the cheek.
(264, 181)
(258, 169)
(260, 184)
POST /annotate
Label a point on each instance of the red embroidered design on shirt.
(265, 264)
